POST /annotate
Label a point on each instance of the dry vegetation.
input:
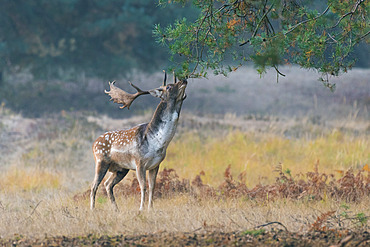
(245, 176)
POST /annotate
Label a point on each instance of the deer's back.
(124, 149)
(119, 146)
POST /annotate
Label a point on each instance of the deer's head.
(174, 92)
(171, 93)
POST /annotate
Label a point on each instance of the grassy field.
(39, 186)
(232, 173)
(258, 154)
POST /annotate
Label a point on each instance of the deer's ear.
(156, 93)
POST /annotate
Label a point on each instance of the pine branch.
(308, 20)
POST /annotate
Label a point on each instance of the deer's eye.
(168, 87)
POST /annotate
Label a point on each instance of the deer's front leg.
(151, 179)
(140, 173)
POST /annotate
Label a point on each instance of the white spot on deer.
(103, 144)
(107, 137)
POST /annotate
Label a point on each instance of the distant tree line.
(110, 37)
(96, 37)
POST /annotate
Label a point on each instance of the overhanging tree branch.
(258, 25)
(308, 20)
(349, 13)
(275, 29)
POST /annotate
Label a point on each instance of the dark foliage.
(97, 37)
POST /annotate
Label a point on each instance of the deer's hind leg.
(101, 168)
(114, 179)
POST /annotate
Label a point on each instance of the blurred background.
(59, 55)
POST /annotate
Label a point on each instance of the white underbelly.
(128, 165)
(125, 159)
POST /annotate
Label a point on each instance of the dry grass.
(28, 180)
(39, 201)
(257, 155)
(57, 214)
(38, 186)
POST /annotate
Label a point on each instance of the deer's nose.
(184, 83)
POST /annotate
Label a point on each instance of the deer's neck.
(162, 127)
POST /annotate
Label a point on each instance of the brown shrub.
(313, 185)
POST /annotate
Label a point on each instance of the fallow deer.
(140, 148)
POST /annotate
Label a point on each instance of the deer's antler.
(121, 97)
(174, 77)
(165, 78)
